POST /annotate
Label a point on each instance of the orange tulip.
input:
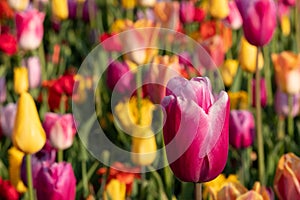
(287, 177)
(250, 195)
(287, 71)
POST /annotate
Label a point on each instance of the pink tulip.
(281, 104)
(241, 129)
(259, 20)
(60, 129)
(289, 2)
(34, 71)
(187, 11)
(263, 92)
(215, 48)
(7, 118)
(2, 89)
(195, 129)
(56, 182)
(234, 19)
(30, 29)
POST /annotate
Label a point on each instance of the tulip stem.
(84, 179)
(60, 155)
(260, 141)
(290, 117)
(280, 132)
(139, 93)
(198, 191)
(297, 28)
(250, 92)
(29, 176)
(245, 165)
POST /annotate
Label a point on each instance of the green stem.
(198, 191)
(84, 179)
(249, 88)
(268, 76)
(29, 177)
(280, 132)
(290, 117)
(60, 155)
(41, 53)
(139, 92)
(260, 140)
(245, 165)
(297, 9)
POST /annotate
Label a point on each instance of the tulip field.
(149, 99)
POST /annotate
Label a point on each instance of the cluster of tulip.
(158, 93)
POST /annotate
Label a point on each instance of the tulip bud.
(34, 71)
(281, 104)
(15, 160)
(187, 11)
(28, 133)
(287, 179)
(56, 181)
(72, 9)
(115, 190)
(2, 90)
(8, 43)
(143, 147)
(60, 9)
(228, 71)
(7, 118)
(21, 83)
(60, 129)
(241, 129)
(287, 71)
(234, 19)
(259, 20)
(285, 25)
(200, 135)
(18, 5)
(263, 93)
(238, 100)
(30, 29)
(247, 57)
(219, 8)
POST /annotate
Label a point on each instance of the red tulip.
(7, 190)
(241, 128)
(8, 43)
(259, 20)
(195, 129)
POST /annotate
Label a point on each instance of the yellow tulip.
(18, 5)
(119, 25)
(228, 71)
(247, 56)
(285, 25)
(15, 158)
(128, 4)
(115, 190)
(143, 148)
(28, 133)
(238, 100)
(219, 8)
(21, 83)
(127, 115)
(60, 9)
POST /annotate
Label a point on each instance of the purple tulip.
(7, 118)
(34, 71)
(259, 20)
(146, 14)
(241, 129)
(187, 11)
(281, 104)
(72, 8)
(119, 75)
(195, 129)
(234, 19)
(38, 160)
(56, 181)
(2, 89)
(89, 10)
(263, 93)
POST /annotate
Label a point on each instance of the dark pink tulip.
(56, 182)
(7, 118)
(187, 11)
(263, 92)
(289, 2)
(2, 89)
(259, 20)
(60, 129)
(281, 104)
(234, 19)
(241, 129)
(89, 10)
(195, 129)
(119, 75)
(72, 8)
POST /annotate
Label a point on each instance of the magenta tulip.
(7, 118)
(187, 11)
(289, 2)
(60, 129)
(263, 92)
(2, 89)
(34, 71)
(72, 8)
(241, 129)
(234, 19)
(119, 75)
(195, 129)
(89, 10)
(281, 104)
(30, 29)
(259, 20)
(56, 182)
